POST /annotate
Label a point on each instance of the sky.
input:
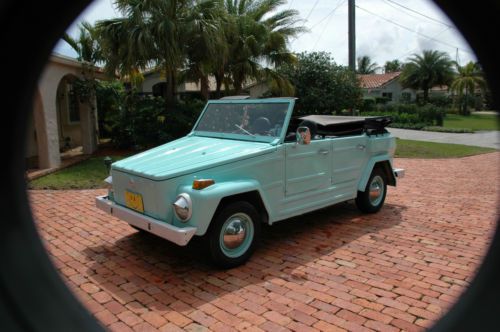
(385, 29)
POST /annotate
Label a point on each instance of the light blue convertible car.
(248, 162)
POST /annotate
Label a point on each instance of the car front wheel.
(233, 233)
(372, 199)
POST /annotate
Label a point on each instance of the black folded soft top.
(332, 125)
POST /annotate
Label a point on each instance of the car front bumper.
(177, 235)
(399, 172)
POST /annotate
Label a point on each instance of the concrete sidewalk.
(487, 139)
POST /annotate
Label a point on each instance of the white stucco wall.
(46, 117)
(150, 80)
(153, 78)
(393, 87)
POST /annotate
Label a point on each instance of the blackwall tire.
(233, 234)
(372, 199)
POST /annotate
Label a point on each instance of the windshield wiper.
(244, 130)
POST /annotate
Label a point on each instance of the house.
(61, 120)
(385, 86)
(154, 83)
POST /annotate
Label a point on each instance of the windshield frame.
(243, 137)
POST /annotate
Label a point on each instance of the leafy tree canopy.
(393, 66)
(322, 86)
(426, 70)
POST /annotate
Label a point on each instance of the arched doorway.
(68, 115)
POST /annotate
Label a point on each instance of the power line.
(293, 41)
(328, 22)
(423, 15)
(411, 30)
(386, 2)
(327, 16)
(310, 12)
(290, 5)
(416, 48)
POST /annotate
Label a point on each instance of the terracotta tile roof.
(372, 81)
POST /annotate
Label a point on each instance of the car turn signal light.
(202, 183)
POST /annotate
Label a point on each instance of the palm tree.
(149, 35)
(366, 66)
(257, 35)
(86, 45)
(426, 71)
(393, 66)
(468, 78)
(205, 42)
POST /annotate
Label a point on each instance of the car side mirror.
(303, 135)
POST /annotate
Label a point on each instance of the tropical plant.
(427, 70)
(150, 35)
(393, 66)
(205, 42)
(89, 53)
(257, 35)
(465, 83)
(86, 45)
(322, 86)
(366, 66)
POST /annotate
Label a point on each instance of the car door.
(307, 167)
(349, 155)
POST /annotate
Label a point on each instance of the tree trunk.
(426, 95)
(219, 78)
(466, 101)
(238, 87)
(171, 87)
(204, 87)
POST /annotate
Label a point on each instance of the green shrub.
(416, 126)
(144, 122)
(407, 114)
(382, 100)
(441, 101)
(368, 104)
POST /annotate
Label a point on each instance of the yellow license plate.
(134, 201)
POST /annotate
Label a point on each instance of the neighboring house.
(154, 83)
(256, 89)
(60, 120)
(385, 85)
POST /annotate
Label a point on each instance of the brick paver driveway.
(335, 269)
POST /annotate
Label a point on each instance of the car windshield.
(255, 121)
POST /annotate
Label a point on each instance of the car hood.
(189, 154)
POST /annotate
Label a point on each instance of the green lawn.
(419, 149)
(88, 174)
(473, 121)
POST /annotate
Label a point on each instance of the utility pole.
(352, 35)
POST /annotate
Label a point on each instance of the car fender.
(385, 158)
(206, 201)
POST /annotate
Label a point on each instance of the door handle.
(361, 147)
(323, 151)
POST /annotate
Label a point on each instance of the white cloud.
(375, 36)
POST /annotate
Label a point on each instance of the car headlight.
(183, 207)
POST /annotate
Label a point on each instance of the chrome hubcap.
(236, 235)
(376, 190)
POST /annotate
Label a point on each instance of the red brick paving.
(332, 270)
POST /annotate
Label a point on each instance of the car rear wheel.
(372, 199)
(233, 233)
